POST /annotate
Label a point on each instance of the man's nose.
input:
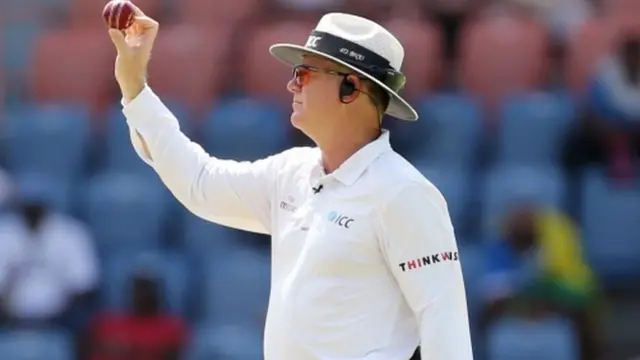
(293, 87)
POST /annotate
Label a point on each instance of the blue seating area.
(131, 213)
(611, 229)
(533, 128)
(256, 122)
(547, 339)
(127, 210)
(505, 183)
(49, 139)
(226, 342)
(51, 344)
(452, 137)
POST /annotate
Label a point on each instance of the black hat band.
(357, 56)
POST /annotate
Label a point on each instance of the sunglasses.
(302, 73)
(302, 76)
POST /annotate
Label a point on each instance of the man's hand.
(134, 51)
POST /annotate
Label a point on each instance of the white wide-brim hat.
(363, 46)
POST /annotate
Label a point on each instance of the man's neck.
(337, 151)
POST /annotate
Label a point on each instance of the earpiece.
(347, 88)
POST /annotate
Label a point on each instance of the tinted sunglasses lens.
(300, 75)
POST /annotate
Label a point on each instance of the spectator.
(48, 268)
(145, 332)
(611, 133)
(538, 270)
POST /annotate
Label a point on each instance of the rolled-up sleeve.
(227, 192)
(419, 244)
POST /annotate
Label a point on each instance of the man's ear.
(350, 88)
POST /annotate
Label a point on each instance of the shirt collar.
(355, 165)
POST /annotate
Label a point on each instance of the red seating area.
(207, 48)
(72, 66)
(503, 54)
(423, 53)
(262, 75)
(226, 13)
(189, 64)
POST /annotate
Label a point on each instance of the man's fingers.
(146, 23)
(148, 29)
(136, 10)
(118, 40)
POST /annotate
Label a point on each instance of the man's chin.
(297, 120)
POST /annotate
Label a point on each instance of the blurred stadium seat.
(505, 184)
(594, 39)
(262, 124)
(264, 76)
(621, 14)
(245, 298)
(472, 260)
(206, 241)
(58, 192)
(227, 13)
(533, 128)
(50, 139)
(73, 67)
(533, 339)
(454, 129)
(200, 54)
(20, 24)
(35, 345)
(454, 184)
(489, 65)
(423, 54)
(17, 39)
(611, 228)
(126, 211)
(226, 342)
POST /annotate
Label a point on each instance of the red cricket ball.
(118, 14)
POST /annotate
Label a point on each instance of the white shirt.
(45, 269)
(367, 268)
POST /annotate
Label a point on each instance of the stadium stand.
(493, 132)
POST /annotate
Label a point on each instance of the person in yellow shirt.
(538, 268)
(566, 277)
